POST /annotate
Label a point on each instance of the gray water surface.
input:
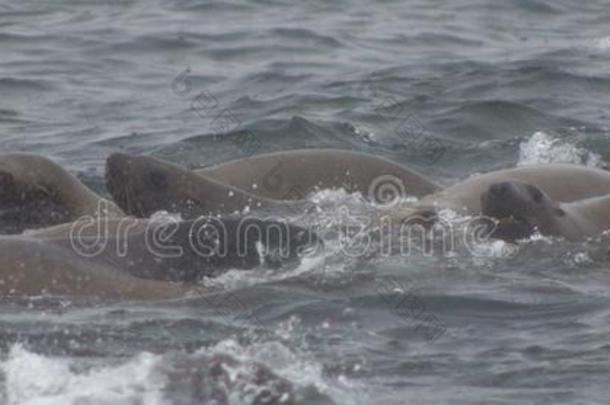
(447, 87)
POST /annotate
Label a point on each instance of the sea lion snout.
(7, 183)
(117, 163)
(500, 189)
(514, 204)
(506, 199)
(117, 166)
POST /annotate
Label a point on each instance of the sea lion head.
(520, 209)
(29, 193)
(143, 185)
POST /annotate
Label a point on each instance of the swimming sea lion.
(36, 192)
(127, 257)
(293, 174)
(464, 197)
(562, 182)
(143, 185)
(32, 267)
(522, 208)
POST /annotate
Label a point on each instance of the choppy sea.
(448, 87)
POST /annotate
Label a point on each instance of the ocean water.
(450, 88)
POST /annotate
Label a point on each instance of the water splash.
(542, 148)
(602, 43)
(34, 379)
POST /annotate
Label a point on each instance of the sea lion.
(523, 208)
(293, 174)
(464, 197)
(36, 192)
(143, 185)
(32, 267)
(562, 182)
(134, 258)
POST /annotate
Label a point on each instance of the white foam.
(165, 216)
(333, 197)
(582, 258)
(292, 364)
(542, 148)
(602, 43)
(235, 279)
(495, 249)
(32, 379)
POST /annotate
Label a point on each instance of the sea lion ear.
(560, 211)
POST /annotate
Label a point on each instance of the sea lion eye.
(158, 180)
(536, 194)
